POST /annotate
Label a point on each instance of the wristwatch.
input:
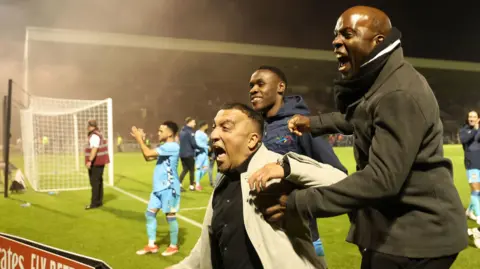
(285, 164)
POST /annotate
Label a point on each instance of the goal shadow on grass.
(41, 207)
(125, 214)
(120, 177)
(108, 197)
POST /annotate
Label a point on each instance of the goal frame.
(77, 150)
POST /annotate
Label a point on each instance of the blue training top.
(201, 139)
(470, 139)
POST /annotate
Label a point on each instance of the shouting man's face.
(357, 32)
(234, 138)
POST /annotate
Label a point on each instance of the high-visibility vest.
(102, 157)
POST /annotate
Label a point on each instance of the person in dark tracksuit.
(187, 151)
(267, 88)
(470, 139)
(406, 211)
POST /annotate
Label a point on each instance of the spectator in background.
(187, 151)
(147, 141)
(470, 139)
(119, 143)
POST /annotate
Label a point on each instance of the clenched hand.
(299, 124)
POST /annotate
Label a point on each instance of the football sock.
(151, 227)
(475, 200)
(173, 227)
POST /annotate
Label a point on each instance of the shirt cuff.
(286, 167)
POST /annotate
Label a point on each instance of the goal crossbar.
(192, 45)
(67, 110)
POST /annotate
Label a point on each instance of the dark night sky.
(430, 30)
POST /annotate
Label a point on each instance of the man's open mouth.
(219, 152)
(344, 64)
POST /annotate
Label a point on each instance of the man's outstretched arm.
(392, 153)
(330, 123)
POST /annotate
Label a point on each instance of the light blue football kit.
(166, 190)
(201, 158)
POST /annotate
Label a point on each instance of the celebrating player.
(166, 186)
(201, 158)
(470, 138)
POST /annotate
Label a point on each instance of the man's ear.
(253, 141)
(379, 39)
(281, 88)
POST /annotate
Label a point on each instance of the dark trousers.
(377, 260)
(188, 165)
(314, 229)
(95, 173)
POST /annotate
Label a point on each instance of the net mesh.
(54, 136)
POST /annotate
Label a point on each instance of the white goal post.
(54, 136)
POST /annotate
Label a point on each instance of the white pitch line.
(194, 208)
(194, 223)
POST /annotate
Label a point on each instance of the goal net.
(54, 136)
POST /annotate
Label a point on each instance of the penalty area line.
(194, 223)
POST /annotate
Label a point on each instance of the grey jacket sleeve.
(392, 153)
(330, 123)
(307, 172)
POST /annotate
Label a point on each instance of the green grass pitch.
(116, 231)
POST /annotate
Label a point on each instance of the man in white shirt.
(96, 157)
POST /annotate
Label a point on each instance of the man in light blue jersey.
(166, 186)
(201, 155)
